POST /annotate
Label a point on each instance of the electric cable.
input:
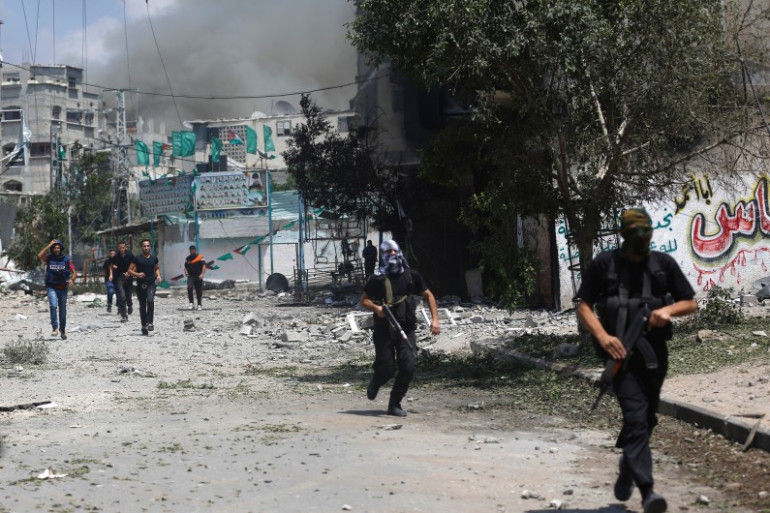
(163, 65)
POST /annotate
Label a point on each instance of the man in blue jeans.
(59, 273)
(108, 284)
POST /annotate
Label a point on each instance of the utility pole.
(122, 169)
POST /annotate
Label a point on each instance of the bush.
(717, 309)
(29, 352)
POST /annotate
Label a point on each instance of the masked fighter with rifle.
(636, 292)
(388, 294)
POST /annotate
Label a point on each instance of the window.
(71, 82)
(89, 118)
(12, 113)
(56, 112)
(346, 123)
(73, 116)
(12, 186)
(283, 128)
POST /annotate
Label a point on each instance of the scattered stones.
(702, 499)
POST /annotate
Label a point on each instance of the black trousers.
(195, 282)
(145, 293)
(392, 353)
(638, 393)
(123, 289)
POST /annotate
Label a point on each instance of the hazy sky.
(210, 48)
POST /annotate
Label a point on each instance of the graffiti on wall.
(723, 248)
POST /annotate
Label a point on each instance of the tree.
(582, 106)
(340, 173)
(87, 191)
(36, 224)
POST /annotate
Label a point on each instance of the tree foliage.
(340, 173)
(583, 106)
(86, 191)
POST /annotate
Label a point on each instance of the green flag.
(268, 133)
(226, 256)
(157, 153)
(182, 144)
(216, 148)
(251, 140)
(142, 154)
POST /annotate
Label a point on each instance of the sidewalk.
(733, 427)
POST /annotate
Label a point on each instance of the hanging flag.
(233, 138)
(216, 149)
(178, 277)
(226, 256)
(157, 153)
(243, 249)
(142, 154)
(183, 143)
(251, 140)
(166, 146)
(267, 132)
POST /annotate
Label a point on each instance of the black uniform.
(193, 264)
(637, 389)
(145, 287)
(370, 259)
(388, 346)
(123, 284)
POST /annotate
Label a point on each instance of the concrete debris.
(759, 333)
(50, 473)
(702, 499)
(89, 297)
(138, 372)
(293, 336)
(763, 494)
(556, 504)
(189, 325)
(246, 329)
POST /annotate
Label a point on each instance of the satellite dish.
(283, 108)
(258, 114)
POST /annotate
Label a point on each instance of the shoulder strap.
(388, 291)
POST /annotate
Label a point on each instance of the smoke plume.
(231, 48)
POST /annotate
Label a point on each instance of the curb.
(735, 429)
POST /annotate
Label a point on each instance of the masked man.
(393, 286)
(619, 283)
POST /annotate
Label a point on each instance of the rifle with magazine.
(633, 339)
(396, 327)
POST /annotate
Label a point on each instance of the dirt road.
(214, 421)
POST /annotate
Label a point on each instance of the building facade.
(48, 110)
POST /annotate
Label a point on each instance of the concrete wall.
(719, 233)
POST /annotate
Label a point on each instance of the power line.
(214, 97)
(163, 65)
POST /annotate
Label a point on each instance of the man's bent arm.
(611, 345)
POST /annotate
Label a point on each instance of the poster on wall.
(170, 195)
(231, 190)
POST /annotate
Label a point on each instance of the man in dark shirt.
(393, 285)
(123, 282)
(194, 269)
(633, 276)
(369, 254)
(108, 284)
(145, 269)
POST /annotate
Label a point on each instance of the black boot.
(396, 410)
(372, 389)
(624, 486)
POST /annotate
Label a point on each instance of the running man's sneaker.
(191, 307)
(63, 335)
(200, 307)
(55, 332)
(150, 327)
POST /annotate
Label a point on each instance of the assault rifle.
(633, 338)
(397, 329)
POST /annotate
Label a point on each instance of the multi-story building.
(62, 119)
